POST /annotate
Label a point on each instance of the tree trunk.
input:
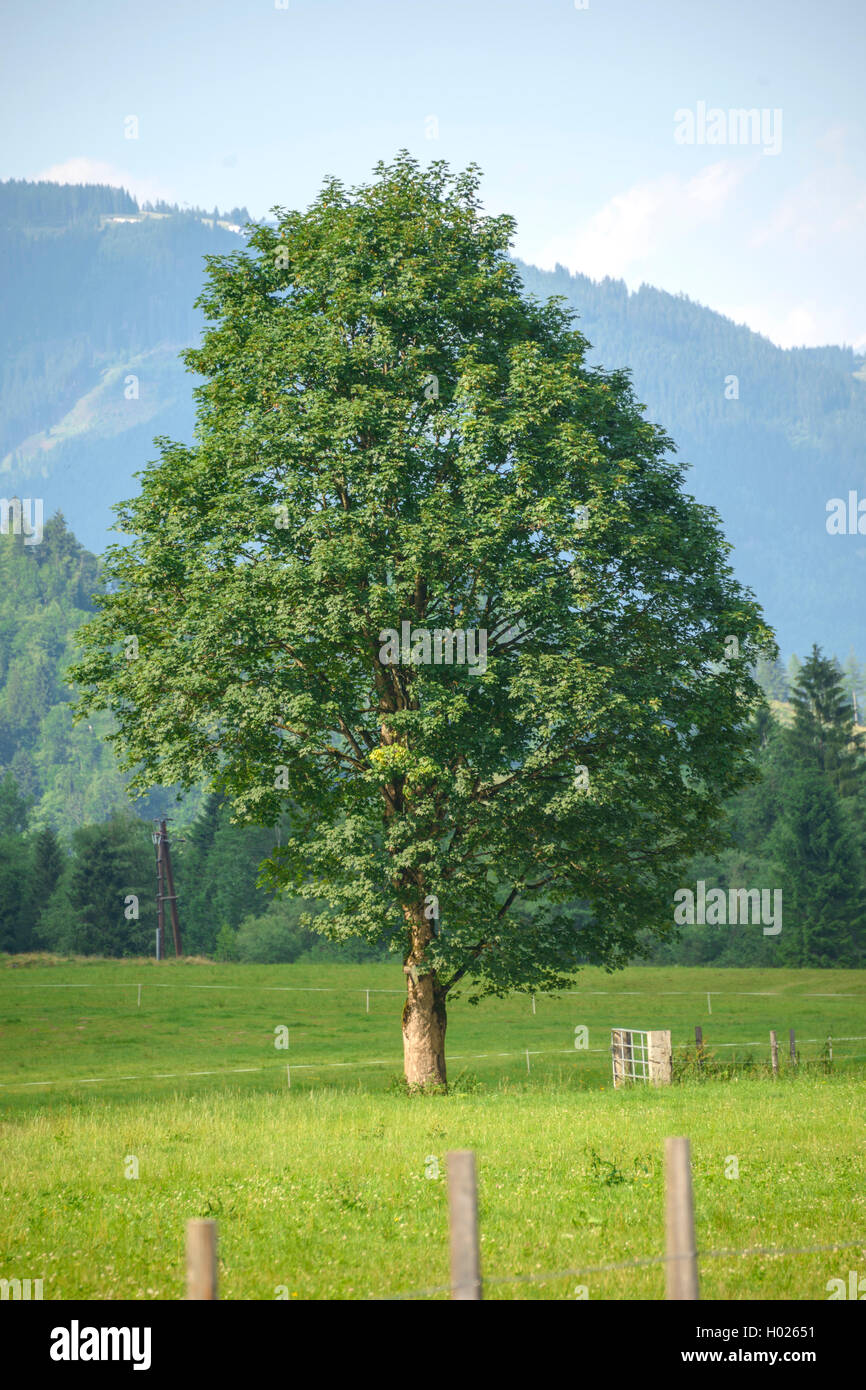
(424, 1023)
(424, 1015)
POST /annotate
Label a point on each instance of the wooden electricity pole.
(160, 910)
(165, 880)
(171, 895)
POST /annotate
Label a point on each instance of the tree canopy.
(393, 438)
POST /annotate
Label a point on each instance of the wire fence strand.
(640, 1262)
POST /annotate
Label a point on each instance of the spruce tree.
(823, 734)
(46, 869)
(14, 814)
(824, 912)
(108, 900)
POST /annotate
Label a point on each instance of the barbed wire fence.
(698, 1058)
(360, 1063)
(681, 1260)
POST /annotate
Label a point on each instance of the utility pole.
(171, 895)
(156, 836)
(164, 889)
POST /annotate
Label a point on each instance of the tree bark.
(424, 1023)
(424, 1013)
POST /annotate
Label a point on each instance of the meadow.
(328, 1181)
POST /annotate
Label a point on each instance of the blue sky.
(569, 112)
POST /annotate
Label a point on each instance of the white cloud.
(79, 169)
(656, 214)
(785, 260)
(819, 211)
(809, 324)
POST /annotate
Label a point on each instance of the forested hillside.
(768, 458)
(799, 829)
(67, 772)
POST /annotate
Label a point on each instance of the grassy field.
(334, 1187)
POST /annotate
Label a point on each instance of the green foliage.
(216, 865)
(771, 677)
(87, 913)
(605, 1171)
(285, 933)
(67, 771)
(15, 913)
(822, 867)
(390, 431)
(46, 869)
(800, 828)
(823, 734)
(87, 300)
(14, 808)
(275, 936)
(226, 947)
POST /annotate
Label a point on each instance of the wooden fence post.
(682, 1255)
(793, 1042)
(774, 1051)
(660, 1057)
(699, 1044)
(463, 1223)
(201, 1259)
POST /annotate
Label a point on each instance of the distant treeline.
(94, 892)
(38, 203)
(26, 203)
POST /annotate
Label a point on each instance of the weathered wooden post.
(660, 1061)
(463, 1225)
(623, 1056)
(201, 1259)
(681, 1249)
(774, 1052)
(793, 1043)
(699, 1044)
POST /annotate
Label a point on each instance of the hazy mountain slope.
(98, 307)
(98, 300)
(768, 461)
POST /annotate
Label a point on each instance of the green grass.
(325, 1188)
